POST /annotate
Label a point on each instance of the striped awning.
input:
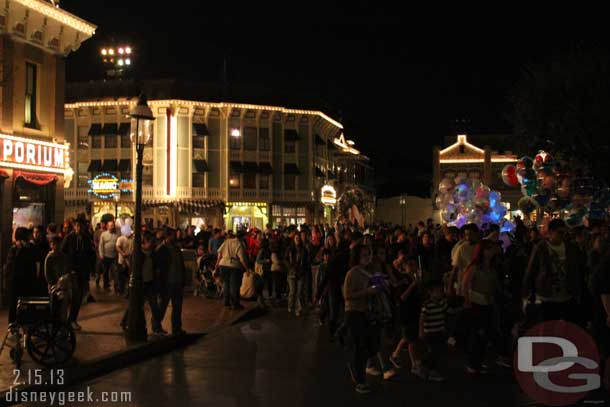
(183, 205)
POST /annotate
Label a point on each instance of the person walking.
(124, 248)
(80, 252)
(172, 282)
(107, 252)
(298, 265)
(231, 264)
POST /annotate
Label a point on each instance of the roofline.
(60, 15)
(219, 105)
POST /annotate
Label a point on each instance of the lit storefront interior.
(288, 215)
(246, 214)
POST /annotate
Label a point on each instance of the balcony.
(77, 194)
(292, 196)
(234, 155)
(210, 193)
(264, 156)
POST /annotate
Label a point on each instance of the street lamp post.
(142, 119)
(402, 209)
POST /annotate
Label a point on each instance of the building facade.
(35, 38)
(465, 159)
(208, 163)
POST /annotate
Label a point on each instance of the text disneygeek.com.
(63, 398)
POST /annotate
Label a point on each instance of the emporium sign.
(30, 154)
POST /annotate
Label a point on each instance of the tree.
(563, 106)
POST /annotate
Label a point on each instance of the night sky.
(396, 78)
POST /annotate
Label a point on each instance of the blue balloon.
(494, 199)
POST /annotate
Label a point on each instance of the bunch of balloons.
(553, 186)
(462, 200)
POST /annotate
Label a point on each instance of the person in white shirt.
(124, 248)
(107, 251)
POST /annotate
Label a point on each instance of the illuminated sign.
(328, 196)
(105, 185)
(30, 154)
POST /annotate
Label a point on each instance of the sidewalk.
(102, 346)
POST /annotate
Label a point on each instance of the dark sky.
(397, 78)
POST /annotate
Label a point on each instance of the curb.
(78, 373)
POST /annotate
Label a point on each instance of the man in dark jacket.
(172, 279)
(80, 252)
(20, 270)
(554, 273)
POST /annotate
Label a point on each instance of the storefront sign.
(104, 185)
(328, 196)
(29, 154)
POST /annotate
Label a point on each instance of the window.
(289, 182)
(83, 137)
(250, 141)
(235, 143)
(234, 180)
(110, 141)
(264, 144)
(147, 175)
(263, 181)
(96, 141)
(125, 141)
(198, 180)
(83, 175)
(250, 180)
(289, 147)
(198, 142)
(30, 95)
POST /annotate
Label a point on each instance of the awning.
(291, 135)
(265, 168)
(250, 167)
(183, 205)
(95, 129)
(200, 129)
(110, 165)
(3, 174)
(125, 129)
(331, 145)
(291, 169)
(110, 129)
(200, 166)
(319, 172)
(35, 178)
(319, 140)
(236, 166)
(125, 165)
(95, 166)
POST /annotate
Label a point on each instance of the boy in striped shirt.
(432, 329)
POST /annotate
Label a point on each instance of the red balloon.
(509, 175)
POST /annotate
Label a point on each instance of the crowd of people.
(436, 286)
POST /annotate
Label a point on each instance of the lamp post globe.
(141, 127)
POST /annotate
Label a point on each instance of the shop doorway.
(246, 216)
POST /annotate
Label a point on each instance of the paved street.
(281, 361)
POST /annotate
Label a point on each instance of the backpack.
(379, 305)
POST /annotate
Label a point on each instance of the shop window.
(198, 180)
(250, 141)
(96, 141)
(289, 147)
(264, 143)
(263, 181)
(276, 210)
(250, 181)
(110, 141)
(31, 79)
(301, 211)
(289, 182)
(288, 211)
(235, 143)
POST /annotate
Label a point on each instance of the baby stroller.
(206, 285)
